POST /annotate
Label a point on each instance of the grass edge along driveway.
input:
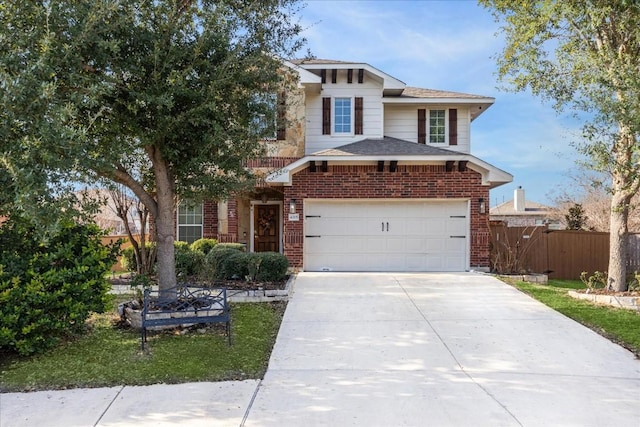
(619, 325)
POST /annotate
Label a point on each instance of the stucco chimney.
(518, 199)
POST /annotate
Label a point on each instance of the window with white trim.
(342, 115)
(437, 126)
(190, 221)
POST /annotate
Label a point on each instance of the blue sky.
(450, 45)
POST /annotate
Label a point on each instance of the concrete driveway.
(438, 350)
(387, 350)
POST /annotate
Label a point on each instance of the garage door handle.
(387, 226)
(313, 236)
(382, 225)
(458, 237)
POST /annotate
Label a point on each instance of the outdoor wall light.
(292, 206)
(482, 205)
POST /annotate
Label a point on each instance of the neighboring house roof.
(387, 148)
(530, 209)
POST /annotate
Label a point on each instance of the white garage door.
(358, 235)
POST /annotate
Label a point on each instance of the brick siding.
(408, 182)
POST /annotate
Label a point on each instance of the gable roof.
(390, 84)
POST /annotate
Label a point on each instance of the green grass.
(107, 355)
(619, 325)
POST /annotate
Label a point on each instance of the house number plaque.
(294, 217)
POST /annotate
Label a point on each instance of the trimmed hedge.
(204, 245)
(236, 246)
(188, 261)
(226, 263)
(272, 266)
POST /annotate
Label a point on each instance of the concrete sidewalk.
(388, 350)
(193, 404)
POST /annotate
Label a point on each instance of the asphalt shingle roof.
(384, 147)
(416, 92)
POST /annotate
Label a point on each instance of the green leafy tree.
(575, 217)
(584, 56)
(160, 96)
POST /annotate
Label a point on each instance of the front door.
(266, 224)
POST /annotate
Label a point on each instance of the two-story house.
(369, 175)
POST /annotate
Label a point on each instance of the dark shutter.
(350, 75)
(326, 116)
(334, 76)
(323, 76)
(422, 126)
(281, 117)
(453, 126)
(359, 116)
(361, 75)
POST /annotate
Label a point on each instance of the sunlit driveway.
(438, 349)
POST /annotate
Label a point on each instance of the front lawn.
(108, 355)
(619, 325)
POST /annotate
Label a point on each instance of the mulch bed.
(240, 285)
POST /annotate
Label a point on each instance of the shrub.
(58, 283)
(204, 245)
(128, 260)
(235, 266)
(272, 266)
(188, 261)
(236, 246)
(216, 264)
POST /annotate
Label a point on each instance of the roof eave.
(390, 83)
(491, 176)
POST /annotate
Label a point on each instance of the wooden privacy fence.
(562, 254)
(117, 267)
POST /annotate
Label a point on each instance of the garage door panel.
(386, 236)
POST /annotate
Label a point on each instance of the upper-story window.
(342, 115)
(189, 222)
(437, 126)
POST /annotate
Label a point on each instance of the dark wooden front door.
(266, 228)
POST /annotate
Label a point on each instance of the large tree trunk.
(624, 182)
(165, 227)
(618, 242)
